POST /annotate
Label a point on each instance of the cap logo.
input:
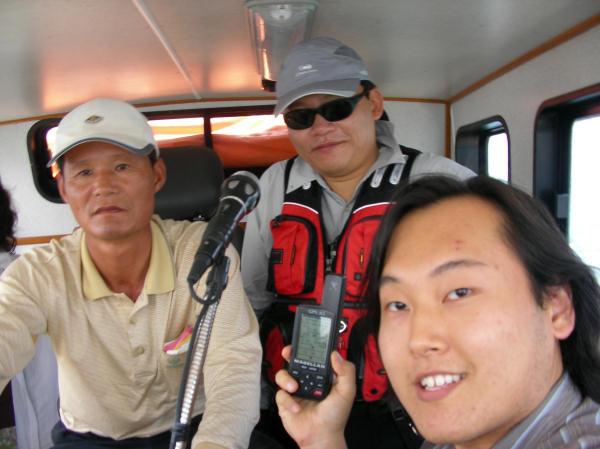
(304, 69)
(93, 119)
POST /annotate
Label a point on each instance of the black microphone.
(239, 195)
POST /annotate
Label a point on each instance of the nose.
(428, 332)
(104, 183)
(321, 126)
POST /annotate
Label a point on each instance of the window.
(584, 211)
(567, 157)
(497, 156)
(248, 138)
(252, 143)
(484, 148)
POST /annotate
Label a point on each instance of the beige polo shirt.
(115, 379)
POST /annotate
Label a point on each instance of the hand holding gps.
(316, 330)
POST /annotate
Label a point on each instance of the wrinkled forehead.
(98, 150)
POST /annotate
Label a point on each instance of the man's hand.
(317, 424)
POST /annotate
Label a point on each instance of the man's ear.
(559, 304)
(376, 99)
(160, 174)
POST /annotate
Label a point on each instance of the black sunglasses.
(332, 111)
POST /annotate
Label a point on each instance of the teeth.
(439, 380)
(428, 382)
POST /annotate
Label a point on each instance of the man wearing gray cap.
(319, 212)
(113, 298)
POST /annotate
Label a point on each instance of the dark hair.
(532, 233)
(7, 222)
(368, 85)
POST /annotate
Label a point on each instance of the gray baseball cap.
(319, 66)
(105, 120)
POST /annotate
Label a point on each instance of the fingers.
(345, 377)
(341, 366)
(285, 381)
(286, 353)
(286, 403)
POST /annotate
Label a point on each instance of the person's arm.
(255, 264)
(258, 240)
(21, 318)
(317, 424)
(232, 370)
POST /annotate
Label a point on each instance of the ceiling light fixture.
(276, 26)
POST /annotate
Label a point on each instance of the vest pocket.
(357, 250)
(294, 256)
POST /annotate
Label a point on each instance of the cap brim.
(340, 88)
(144, 151)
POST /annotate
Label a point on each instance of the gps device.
(316, 330)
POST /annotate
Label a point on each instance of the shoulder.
(180, 232)
(271, 190)
(274, 173)
(581, 428)
(67, 247)
(427, 163)
(573, 428)
(50, 262)
(183, 238)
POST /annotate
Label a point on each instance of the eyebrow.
(437, 271)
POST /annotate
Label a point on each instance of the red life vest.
(300, 258)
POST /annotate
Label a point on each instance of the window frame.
(46, 185)
(473, 139)
(552, 147)
(37, 150)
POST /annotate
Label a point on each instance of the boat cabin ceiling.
(56, 54)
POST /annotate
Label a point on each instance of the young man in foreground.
(488, 325)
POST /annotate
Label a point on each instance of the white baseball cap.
(105, 120)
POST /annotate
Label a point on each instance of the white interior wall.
(420, 125)
(518, 94)
(36, 216)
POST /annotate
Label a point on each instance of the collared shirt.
(115, 379)
(334, 209)
(563, 420)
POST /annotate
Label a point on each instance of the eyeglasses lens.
(337, 110)
(300, 118)
(331, 111)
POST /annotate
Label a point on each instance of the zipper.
(330, 255)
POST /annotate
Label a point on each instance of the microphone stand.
(194, 362)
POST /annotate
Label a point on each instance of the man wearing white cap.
(113, 294)
(320, 211)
